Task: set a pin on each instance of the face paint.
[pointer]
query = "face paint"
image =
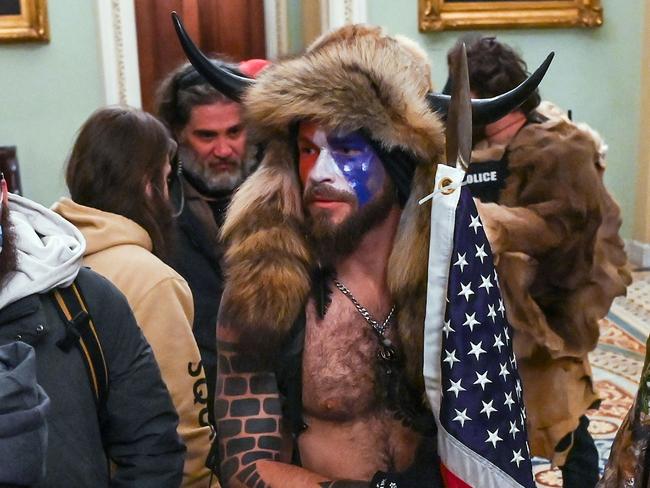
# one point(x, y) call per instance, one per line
point(346, 162)
point(358, 162)
point(316, 162)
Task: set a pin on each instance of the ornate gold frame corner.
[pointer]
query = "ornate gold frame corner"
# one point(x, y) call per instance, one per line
point(31, 25)
point(438, 15)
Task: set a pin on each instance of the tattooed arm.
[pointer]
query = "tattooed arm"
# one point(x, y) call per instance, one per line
point(248, 415)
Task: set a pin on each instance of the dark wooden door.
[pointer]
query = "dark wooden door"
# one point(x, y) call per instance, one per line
point(226, 28)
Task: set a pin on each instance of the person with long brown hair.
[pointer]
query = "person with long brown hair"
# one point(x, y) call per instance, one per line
point(117, 176)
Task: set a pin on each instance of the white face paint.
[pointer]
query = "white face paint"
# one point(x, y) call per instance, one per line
point(325, 168)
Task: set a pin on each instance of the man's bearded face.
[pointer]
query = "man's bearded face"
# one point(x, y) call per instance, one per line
point(213, 146)
point(346, 189)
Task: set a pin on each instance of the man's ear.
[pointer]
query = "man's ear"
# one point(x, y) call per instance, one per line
point(148, 189)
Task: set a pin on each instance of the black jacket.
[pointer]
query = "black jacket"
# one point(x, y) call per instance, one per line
point(197, 255)
point(136, 429)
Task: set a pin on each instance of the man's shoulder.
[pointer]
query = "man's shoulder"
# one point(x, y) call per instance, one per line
point(197, 211)
point(89, 279)
point(551, 143)
point(99, 292)
point(551, 127)
point(197, 234)
point(532, 132)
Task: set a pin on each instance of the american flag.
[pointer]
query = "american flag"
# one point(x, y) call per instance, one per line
point(470, 370)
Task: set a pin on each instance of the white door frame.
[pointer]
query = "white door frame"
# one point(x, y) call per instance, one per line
point(334, 13)
point(119, 52)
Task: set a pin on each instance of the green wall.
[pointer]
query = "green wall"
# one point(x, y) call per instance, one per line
point(46, 93)
point(294, 32)
point(48, 90)
point(596, 73)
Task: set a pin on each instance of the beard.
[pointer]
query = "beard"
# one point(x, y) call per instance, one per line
point(213, 180)
point(334, 241)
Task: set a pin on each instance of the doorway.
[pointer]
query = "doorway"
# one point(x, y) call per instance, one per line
point(221, 28)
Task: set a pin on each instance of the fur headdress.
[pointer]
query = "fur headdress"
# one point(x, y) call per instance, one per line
point(354, 78)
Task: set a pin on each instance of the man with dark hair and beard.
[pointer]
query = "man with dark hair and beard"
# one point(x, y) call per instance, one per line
point(125, 437)
point(117, 176)
point(215, 159)
point(320, 329)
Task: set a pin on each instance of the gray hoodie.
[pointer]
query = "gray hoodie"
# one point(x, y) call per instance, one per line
point(49, 249)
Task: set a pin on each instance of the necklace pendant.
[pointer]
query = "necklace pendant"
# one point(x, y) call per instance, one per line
point(387, 353)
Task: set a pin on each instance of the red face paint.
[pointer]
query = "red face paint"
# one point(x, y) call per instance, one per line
point(308, 151)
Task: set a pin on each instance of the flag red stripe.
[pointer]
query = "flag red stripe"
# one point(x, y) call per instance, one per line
point(451, 480)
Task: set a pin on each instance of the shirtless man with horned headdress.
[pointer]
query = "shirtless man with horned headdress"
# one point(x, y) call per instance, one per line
point(320, 329)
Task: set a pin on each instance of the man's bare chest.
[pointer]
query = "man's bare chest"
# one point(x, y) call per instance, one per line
point(352, 432)
point(339, 363)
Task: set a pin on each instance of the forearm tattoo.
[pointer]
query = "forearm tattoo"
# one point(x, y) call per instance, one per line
point(247, 411)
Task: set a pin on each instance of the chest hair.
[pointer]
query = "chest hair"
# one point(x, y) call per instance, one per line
point(340, 363)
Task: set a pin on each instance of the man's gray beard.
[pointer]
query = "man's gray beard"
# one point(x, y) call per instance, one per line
point(334, 241)
point(216, 181)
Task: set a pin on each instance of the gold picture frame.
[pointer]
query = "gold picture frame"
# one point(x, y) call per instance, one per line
point(438, 15)
point(24, 20)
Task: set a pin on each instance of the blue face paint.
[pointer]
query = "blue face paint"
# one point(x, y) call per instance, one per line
point(359, 164)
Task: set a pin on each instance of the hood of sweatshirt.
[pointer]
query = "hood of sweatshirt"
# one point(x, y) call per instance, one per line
point(102, 230)
point(49, 251)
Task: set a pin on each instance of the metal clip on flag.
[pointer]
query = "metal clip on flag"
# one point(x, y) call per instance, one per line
point(470, 370)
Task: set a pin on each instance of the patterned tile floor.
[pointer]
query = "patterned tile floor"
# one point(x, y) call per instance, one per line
point(617, 364)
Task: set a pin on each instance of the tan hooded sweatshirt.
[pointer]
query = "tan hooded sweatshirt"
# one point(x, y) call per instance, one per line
point(161, 301)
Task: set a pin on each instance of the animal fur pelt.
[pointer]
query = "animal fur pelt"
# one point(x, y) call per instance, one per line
point(354, 78)
point(561, 263)
point(555, 236)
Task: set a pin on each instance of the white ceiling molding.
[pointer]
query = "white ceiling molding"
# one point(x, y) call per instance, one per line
point(119, 50)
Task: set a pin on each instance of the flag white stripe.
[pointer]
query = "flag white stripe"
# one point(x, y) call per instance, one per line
point(473, 469)
point(443, 215)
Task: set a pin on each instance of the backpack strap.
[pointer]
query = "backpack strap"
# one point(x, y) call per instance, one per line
point(80, 331)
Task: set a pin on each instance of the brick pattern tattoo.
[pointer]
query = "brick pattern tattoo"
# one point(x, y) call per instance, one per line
point(247, 411)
